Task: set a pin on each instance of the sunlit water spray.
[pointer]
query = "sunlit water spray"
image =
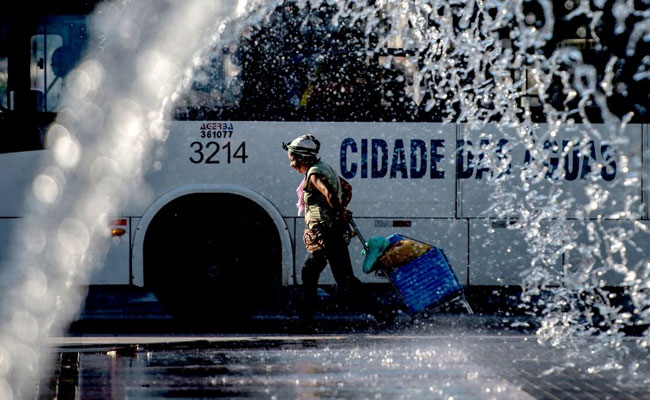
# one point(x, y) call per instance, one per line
point(114, 105)
point(487, 64)
point(139, 63)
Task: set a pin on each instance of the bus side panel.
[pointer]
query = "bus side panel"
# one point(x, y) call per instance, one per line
point(395, 169)
point(136, 275)
point(115, 269)
point(447, 234)
point(498, 255)
point(297, 242)
point(597, 159)
point(608, 267)
point(18, 172)
point(7, 228)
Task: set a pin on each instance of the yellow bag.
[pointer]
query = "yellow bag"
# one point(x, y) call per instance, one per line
point(401, 253)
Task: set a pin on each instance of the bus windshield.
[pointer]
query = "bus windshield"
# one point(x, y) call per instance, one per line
point(37, 52)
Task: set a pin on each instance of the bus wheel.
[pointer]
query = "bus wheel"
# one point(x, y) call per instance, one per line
point(213, 258)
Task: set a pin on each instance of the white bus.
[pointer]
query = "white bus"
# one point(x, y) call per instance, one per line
point(216, 226)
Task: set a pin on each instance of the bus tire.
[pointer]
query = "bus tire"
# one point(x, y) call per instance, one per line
point(213, 259)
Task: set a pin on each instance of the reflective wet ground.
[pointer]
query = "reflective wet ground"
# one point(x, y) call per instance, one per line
point(402, 365)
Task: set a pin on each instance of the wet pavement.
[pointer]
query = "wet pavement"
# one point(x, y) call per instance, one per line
point(441, 360)
point(140, 352)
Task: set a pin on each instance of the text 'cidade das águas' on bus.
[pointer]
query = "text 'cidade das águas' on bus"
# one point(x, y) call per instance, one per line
point(417, 158)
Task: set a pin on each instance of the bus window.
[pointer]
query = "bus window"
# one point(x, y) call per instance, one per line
point(45, 84)
point(217, 83)
point(33, 68)
point(293, 65)
point(400, 89)
point(55, 50)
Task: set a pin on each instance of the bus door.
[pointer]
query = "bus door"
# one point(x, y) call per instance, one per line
point(36, 54)
point(55, 48)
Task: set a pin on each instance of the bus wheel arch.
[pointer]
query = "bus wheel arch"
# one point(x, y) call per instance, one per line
point(217, 239)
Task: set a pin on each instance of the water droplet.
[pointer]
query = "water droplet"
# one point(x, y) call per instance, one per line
point(73, 236)
point(45, 189)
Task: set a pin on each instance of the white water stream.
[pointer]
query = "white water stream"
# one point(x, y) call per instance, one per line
point(141, 58)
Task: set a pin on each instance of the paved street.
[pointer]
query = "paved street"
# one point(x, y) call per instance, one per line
point(411, 364)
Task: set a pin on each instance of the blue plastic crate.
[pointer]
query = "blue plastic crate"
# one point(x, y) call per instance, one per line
point(394, 238)
point(427, 281)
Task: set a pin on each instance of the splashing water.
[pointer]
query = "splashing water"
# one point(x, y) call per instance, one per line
point(496, 67)
point(520, 92)
point(113, 112)
point(467, 56)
